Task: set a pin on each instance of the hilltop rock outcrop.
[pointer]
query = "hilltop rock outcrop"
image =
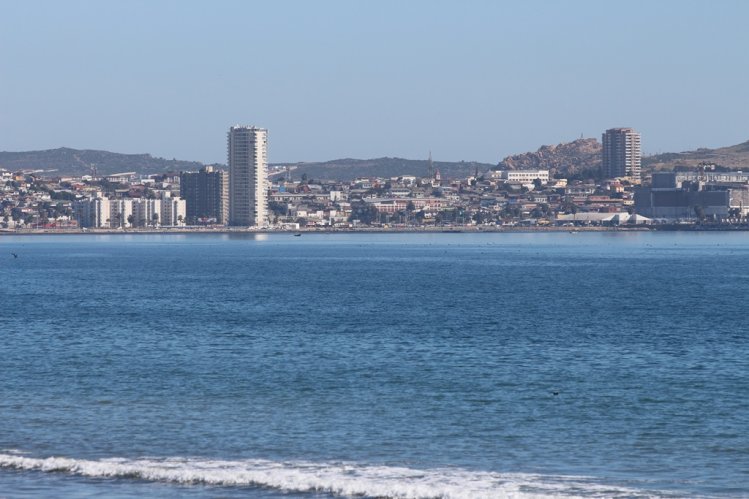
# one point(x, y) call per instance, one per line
point(569, 158)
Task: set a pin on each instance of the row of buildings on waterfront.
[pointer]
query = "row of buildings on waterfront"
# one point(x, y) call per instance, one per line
point(238, 197)
point(101, 211)
point(246, 194)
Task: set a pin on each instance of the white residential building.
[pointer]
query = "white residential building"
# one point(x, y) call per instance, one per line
point(146, 212)
point(101, 212)
point(248, 171)
point(173, 211)
point(121, 213)
point(521, 176)
point(93, 213)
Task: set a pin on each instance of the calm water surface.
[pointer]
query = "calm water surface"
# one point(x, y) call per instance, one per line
point(392, 365)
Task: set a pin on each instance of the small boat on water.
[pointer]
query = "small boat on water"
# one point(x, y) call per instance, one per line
point(297, 234)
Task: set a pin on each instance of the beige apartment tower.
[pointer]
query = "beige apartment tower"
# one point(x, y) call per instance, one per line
point(248, 173)
point(621, 153)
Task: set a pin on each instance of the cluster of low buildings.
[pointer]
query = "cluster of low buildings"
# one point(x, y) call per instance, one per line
point(201, 199)
point(30, 200)
point(246, 194)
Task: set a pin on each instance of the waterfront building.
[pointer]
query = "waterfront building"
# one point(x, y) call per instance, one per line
point(173, 211)
point(695, 194)
point(621, 153)
point(146, 212)
point(394, 205)
point(206, 194)
point(121, 212)
point(248, 166)
point(101, 212)
point(93, 213)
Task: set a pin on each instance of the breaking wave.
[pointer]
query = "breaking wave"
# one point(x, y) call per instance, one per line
point(339, 479)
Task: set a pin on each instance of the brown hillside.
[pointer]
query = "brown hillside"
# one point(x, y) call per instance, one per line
point(734, 157)
point(570, 158)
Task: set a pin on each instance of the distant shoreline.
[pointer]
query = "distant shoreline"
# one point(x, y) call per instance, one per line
point(375, 230)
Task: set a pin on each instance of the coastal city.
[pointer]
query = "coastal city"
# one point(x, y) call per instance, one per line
point(246, 194)
point(389, 249)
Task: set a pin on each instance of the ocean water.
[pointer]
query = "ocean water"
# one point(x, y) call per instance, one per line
point(375, 365)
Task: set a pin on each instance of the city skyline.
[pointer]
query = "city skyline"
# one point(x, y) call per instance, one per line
point(504, 78)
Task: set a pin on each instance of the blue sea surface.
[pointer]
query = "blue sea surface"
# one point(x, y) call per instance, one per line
point(375, 365)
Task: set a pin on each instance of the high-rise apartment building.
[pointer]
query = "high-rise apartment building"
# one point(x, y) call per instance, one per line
point(248, 171)
point(206, 193)
point(621, 153)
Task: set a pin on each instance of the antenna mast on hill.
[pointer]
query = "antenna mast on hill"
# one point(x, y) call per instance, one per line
point(431, 166)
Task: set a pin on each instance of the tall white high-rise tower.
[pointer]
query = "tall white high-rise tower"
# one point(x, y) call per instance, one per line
point(248, 173)
point(621, 153)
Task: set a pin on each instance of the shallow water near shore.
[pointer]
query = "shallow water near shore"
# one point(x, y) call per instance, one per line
point(376, 365)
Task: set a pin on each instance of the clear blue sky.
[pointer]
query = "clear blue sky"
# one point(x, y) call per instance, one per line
point(471, 80)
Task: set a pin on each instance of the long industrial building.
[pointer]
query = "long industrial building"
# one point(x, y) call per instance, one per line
point(689, 195)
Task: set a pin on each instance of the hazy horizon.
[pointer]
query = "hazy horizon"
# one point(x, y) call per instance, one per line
point(333, 79)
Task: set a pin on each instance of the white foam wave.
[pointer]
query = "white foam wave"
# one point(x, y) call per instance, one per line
point(342, 479)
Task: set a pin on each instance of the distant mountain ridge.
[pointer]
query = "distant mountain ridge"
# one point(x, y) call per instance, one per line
point(65, 161)
point(580, 157)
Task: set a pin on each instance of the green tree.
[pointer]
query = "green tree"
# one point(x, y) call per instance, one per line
point(364, 212)
point(479, 217)
point(277, 207)
point(699, 210)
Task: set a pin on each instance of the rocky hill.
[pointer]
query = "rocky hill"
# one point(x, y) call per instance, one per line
point(349, 169)
point(583, 157)
point(65, 161)
point(580, 157)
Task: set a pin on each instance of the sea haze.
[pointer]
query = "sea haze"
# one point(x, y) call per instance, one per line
point(376, 365)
